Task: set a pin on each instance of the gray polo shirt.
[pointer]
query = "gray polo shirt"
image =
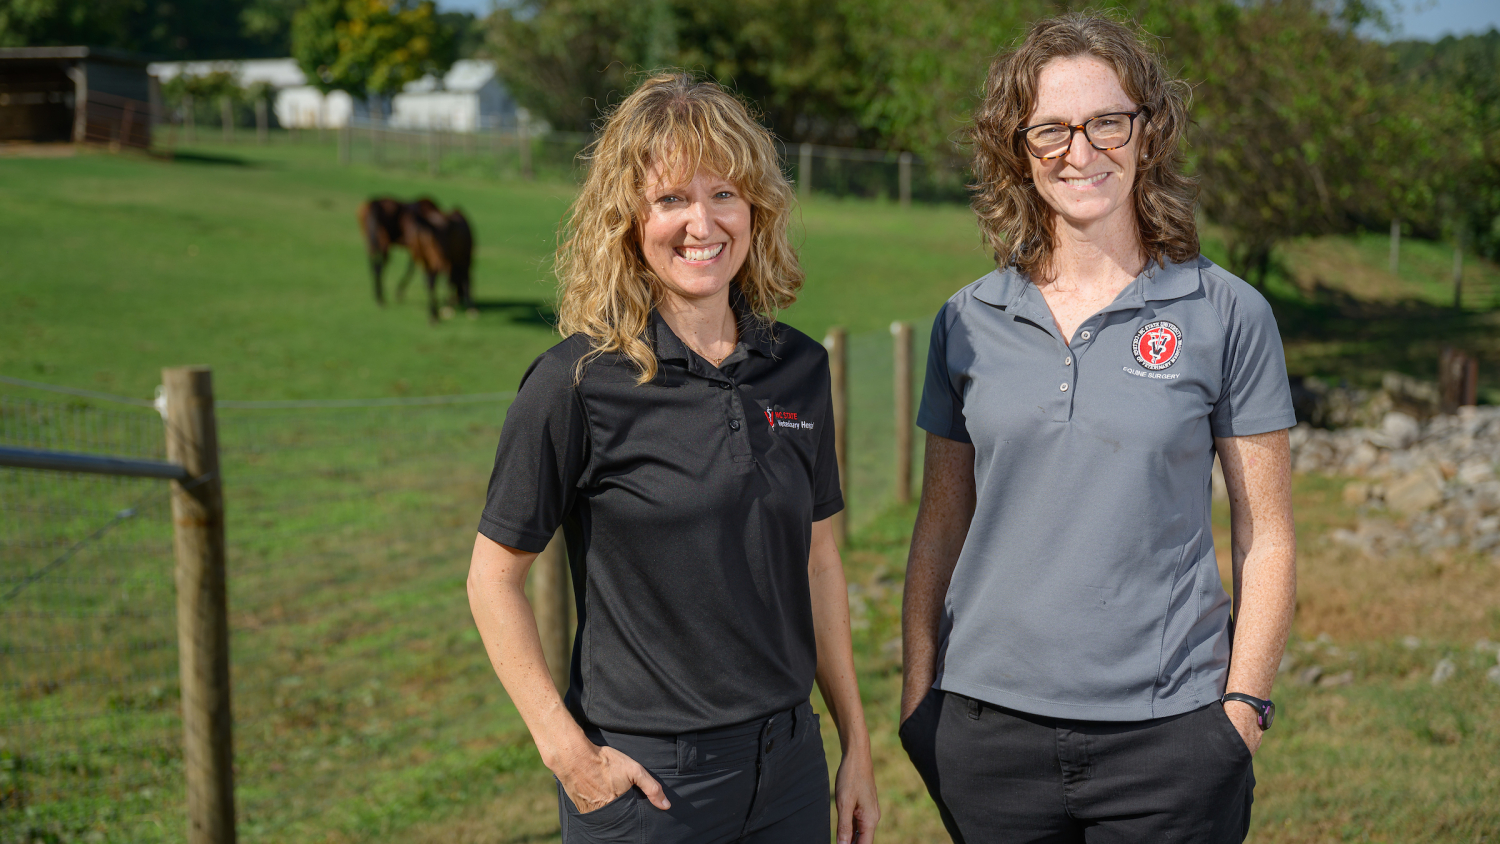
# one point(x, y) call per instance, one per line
point(1087, 586)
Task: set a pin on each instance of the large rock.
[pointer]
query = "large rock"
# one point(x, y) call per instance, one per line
point(1397, 430)
point(1416, 492)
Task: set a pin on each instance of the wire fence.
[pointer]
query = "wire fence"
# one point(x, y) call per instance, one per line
point(360, 688)
point(90, 730)
point(508, 153)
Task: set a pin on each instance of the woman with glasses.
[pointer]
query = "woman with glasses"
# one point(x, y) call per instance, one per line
point(1074, 669)
point(682, 439)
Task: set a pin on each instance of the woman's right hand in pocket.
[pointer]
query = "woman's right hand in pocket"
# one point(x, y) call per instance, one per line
point(597, 776)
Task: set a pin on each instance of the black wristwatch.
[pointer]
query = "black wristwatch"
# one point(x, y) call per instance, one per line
point(1265, 710)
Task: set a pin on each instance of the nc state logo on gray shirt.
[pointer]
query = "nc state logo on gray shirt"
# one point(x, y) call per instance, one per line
point(1157, 345)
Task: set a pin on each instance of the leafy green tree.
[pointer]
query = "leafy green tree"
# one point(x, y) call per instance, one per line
point(1462, 76)
point(177, 30)
point(369, 48)
point(1301, 126)
point(567, 60)
point(922, 65)
point(793, 59)
point(465, 30)
point(32, 23)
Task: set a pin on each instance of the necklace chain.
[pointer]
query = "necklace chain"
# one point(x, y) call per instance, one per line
point(720, 359)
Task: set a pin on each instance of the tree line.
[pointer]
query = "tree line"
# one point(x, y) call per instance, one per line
point(1306, 121)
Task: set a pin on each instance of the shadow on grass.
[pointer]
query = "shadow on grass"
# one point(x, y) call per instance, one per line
point(206, 158)
point(1328, 331)
point(520, 311)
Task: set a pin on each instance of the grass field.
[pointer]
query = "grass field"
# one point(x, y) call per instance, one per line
point(365, 708)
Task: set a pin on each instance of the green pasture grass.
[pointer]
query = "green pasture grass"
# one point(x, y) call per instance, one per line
point(249, 259)
point(365, 707)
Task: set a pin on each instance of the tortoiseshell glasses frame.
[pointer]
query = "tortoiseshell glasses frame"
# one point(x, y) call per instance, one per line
point(1054, 146)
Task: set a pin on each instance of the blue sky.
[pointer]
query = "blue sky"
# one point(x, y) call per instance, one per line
point(1431, 19)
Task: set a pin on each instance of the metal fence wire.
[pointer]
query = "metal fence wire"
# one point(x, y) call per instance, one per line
point(494, 152)
point(90, 729)
point(870, 488)
point(360, 688)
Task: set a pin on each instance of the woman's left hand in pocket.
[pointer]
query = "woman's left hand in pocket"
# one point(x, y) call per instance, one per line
point(1245, 720)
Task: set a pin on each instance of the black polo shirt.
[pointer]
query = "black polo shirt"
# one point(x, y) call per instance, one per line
point(687, 504)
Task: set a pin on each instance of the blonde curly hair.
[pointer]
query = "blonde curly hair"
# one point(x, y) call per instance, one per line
point(677, 124)
point(1013, 218)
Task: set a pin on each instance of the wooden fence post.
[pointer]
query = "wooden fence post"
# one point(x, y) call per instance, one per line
point(226, 116)
point(262, 121)
point(904, 177)
point(1458, 271)
point(838, 357)
point(189, 119)
point(523, 138)
point(804, 170)
point(902, 334)
point(1458, 380)
point(346, 140)
point(1395, 246)
point(434, 151)
point(202, 605)
point(549, 600)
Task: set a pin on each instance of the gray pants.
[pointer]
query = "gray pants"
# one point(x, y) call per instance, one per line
point(759, 783)
point(1003, 776)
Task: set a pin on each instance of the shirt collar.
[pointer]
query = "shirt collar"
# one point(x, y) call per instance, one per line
point(755, 335)
point(1006, 288)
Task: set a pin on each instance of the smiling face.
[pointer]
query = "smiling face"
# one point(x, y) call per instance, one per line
point(695, 234)
point(1084, 186)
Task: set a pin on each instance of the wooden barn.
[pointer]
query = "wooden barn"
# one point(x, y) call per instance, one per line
point(75, 94)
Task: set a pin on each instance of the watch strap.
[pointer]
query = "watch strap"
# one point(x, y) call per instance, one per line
point(1265, 710)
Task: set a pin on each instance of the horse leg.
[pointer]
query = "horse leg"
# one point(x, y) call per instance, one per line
point(377, 268)
point(432, 305)
point(411, 266)
point(447, 311)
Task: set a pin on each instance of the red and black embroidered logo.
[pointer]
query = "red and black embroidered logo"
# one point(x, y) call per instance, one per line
point(1157, 345)
point(786, 419)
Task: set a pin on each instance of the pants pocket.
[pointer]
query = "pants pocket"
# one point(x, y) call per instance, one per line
point(1231, 734)
point(918, 734)
point(616, 822)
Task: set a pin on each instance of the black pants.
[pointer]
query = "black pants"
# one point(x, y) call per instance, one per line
point(759, 783)
point(1003, 776)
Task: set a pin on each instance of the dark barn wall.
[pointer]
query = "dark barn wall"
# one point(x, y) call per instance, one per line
point(128, 81)
point(36, 102)
point(40, 89)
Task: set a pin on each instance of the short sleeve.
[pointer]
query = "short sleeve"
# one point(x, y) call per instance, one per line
point(1255, 396)
point(942, 408)
point(543, 450)
point(828, 496)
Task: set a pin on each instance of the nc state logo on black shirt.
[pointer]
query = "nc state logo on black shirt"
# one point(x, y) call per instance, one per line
point(786, 419)
point(1157, 345)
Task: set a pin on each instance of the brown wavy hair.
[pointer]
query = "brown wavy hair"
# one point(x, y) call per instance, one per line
point(681, 124)
point(1013, 218)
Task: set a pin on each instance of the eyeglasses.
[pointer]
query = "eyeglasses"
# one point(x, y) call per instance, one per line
point(1104, 133)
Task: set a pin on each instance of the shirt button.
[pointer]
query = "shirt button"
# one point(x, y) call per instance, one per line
point(1064, 387)
point(1085, 335)
point(734, 424)
point(1068, 361)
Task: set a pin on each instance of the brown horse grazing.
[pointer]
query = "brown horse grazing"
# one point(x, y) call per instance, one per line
point(441, 243)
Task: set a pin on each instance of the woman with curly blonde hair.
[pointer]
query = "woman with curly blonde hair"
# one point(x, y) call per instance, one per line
point(1074, 669)
point(682, 439)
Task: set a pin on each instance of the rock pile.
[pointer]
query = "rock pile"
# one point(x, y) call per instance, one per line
point(1439, 475)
